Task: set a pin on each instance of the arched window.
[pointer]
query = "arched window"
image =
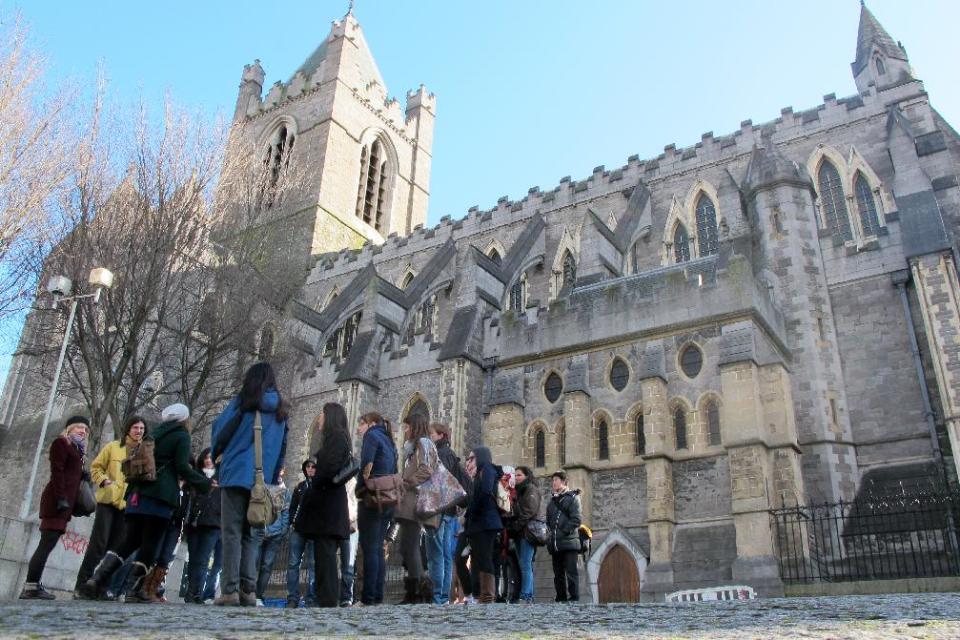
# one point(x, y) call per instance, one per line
point(494, 255)
point(539, 449)
point(518, 295)
point(561, 444)
point(349, 334)
point(333, 342)
point(427, 312)
point(619, 374)
point(603, 440)
point(706, 225)
point(635, 257)
point(832, 201)
point(569, 271)
point(881, 68)
point(278, 159)
point(680, 427)
point(681, 244)
point(267, 337)
point(373, 190)
point(640, 437)
point(713, 423)
point(867, 206)
point(419, 407)
point(407, 279)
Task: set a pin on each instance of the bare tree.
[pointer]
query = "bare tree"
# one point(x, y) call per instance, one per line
point(36, 146)
point(188, 235)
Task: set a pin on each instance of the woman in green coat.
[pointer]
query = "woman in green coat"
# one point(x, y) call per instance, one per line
point(150, 505)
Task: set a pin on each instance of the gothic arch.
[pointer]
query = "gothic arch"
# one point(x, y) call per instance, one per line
point(530, 443)
point(383, 182)
point(599, 437)
point(882, 200)
point(560, 441)
point(495, 245)
point(678, 215)
point(330, 297)
point(569, 242)
point(701, 188)
point(639, 437)
point(820, 153)
point(412, 403)
point(616, 536)
point(679, 403)
point(703, 404)
point(406, 277)
point(269, 132)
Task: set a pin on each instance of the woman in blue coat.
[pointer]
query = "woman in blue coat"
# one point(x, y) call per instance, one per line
point(233, 448)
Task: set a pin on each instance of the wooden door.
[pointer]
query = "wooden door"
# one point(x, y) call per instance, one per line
point(619, 579)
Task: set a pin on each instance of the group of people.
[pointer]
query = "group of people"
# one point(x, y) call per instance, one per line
point(342, 502)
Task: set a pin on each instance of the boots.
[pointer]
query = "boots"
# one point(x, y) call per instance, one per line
point(134, 589)
point(152, 583)
point(488, 588)
point(93, 588)
point(411, 591)
point(426, 589)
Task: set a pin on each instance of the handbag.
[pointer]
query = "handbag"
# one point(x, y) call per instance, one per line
point(349, 470)
point(536, 533)
point(140, 465)
point(381, 492)
point(266, 501)
point(440, 491)
point(86, 500)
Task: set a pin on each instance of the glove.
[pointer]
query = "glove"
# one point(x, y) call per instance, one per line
point(62, 504)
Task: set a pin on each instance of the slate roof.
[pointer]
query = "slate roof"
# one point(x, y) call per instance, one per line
point(872, 33)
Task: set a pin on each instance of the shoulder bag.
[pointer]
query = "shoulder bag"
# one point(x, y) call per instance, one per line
point(349, 470)
point(266, 501)
point(86, 500)
point(440, 491)
point(536, 533)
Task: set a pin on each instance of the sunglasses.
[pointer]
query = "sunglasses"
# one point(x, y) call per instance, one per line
point(469, 458)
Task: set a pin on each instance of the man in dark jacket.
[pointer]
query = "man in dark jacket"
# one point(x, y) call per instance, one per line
point(563, 520)
point(298, 542)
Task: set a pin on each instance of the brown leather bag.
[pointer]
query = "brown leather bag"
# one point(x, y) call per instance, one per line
point(382, 492)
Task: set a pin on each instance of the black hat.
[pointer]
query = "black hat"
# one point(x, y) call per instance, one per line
point(77, 420)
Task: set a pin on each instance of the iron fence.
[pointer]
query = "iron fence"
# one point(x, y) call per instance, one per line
point(875, 538)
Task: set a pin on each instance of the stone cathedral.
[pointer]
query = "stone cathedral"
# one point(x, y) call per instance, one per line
point(768, 317)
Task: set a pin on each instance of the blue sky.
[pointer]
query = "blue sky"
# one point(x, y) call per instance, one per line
point(528, 91)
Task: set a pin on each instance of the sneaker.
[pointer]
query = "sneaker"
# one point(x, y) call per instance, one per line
point(469, 600)
point(35, 592)
point(248, 599)
point(227, 600)
point(259, 602)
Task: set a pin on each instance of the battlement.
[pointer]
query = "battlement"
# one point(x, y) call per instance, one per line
point(421, 98)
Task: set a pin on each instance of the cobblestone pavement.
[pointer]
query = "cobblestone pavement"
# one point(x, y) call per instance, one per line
point(853, 617)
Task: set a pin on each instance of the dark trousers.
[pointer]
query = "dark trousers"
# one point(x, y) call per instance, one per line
point(463, 571)
point(240, 547)
point(566, 578)
point(201, 542)
point(481, 555)
point(373, 524)
point(48, 540)
point(410, 548)
point(106, 535)
point(325, 567)
point(144, 534)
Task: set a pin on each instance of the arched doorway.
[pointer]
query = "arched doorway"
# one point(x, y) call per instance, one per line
point(619, 579)
point(417, 405)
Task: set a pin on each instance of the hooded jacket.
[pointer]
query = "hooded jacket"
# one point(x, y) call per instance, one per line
point(172, 455)
point(482, 513)
point(563, 520)
point(236, 466)
point(106, 466)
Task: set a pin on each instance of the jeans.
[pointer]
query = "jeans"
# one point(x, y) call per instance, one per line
point(268, 555)
point(106, 536)
point(239, 545)
point(213, 576)
point(566, 578)
point(348, 555)
point(298, 547)
point(373, 525)
point(168, 547)
point(119, 576)
point(48, 542)
point(440, 547)
point(525, 555)
point(201, 542)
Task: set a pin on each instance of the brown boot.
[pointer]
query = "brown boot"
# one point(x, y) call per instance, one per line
point(152, 582)
point(411, 591)
point(488, 588)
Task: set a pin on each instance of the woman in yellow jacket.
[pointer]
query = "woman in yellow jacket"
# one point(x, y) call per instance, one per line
point(108, 479)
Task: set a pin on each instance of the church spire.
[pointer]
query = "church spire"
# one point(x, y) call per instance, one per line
point(880, 61)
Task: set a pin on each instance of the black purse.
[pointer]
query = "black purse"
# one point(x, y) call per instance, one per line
point(349, 470)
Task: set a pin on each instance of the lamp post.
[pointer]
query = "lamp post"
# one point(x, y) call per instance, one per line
point(59, 287)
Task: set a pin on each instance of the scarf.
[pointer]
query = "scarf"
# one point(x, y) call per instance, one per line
point(78, 442)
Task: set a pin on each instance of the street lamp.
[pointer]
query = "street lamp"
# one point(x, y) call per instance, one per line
point(60, 288)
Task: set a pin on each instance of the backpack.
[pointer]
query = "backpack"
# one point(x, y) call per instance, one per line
point(140, 464)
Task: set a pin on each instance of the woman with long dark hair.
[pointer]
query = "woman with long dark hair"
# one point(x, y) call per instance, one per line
point(203, 530)
point(111, 487)
point(378, 458)
point(57, 500)
point(232, 438)
point(420, 462)
point(324, 516)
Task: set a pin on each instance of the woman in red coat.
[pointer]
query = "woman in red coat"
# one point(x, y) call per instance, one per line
point(56, 503)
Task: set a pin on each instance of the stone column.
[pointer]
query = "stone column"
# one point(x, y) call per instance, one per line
point(579, 431)
point(658, 465)
point(750, 473)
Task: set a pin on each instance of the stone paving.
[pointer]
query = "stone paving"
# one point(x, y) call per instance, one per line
point(853, 617)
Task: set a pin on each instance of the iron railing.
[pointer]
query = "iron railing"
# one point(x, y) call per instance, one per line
point(874, 538)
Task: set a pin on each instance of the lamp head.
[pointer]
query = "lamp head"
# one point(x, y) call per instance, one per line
point(59, 286)
point(101, 277)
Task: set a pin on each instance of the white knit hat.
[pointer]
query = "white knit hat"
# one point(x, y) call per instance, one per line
point(175, 413)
